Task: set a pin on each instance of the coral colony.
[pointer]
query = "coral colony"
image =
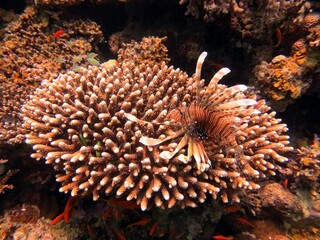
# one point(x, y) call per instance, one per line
point(147, 132)
point(132, 147)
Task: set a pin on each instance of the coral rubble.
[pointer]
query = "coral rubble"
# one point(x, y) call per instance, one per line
point(109, 131)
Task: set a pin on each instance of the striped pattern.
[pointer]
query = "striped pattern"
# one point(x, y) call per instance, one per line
point(213, 84)
point(217, 77)
point(216, 127)
point(197, 75)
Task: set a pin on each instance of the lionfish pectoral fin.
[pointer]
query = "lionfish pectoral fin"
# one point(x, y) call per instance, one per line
point(217, 77)
point(200, 156)
point(236, 104)
point(156, 141)
point(238, 88)
point(168, 155)
point(134, 119)
point(151, 141)
point(183, 158)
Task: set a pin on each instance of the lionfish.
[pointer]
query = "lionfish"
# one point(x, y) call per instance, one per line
point(209, 122)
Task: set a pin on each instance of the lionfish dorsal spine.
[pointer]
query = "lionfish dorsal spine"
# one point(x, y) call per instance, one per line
point(217, 77)
point(197, 75)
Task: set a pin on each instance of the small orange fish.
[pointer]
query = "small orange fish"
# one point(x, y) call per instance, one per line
point(69, 207)
point(124, 204)
point(245, 222)
point(279, 37)
point(221, 237)
point(232, 209)
point(108, 213)
point(67, 210)
point(285, 183)
point(58, 33)
point(57, 219)
point(142, 222)
point(90, 230)
point(119, 235)
point(116, 213)
point(154, 228)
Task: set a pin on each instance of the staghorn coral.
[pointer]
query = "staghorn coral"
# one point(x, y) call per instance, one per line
point(31, 53)
point(118, 132)
point(13, 95)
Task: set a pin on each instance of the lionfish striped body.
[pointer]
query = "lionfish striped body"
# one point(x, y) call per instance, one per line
point(210, 121)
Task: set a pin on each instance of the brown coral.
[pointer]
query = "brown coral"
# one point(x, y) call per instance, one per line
point(308, 170)
point(110, 132)
point(282, 201)
point(5, 176)
point(251, 18)
point(311, 20)
point(150, 50)
point(13, 95)
point(66, 3)
point(31, 53)
point(299, 52)
point(280, 79)
point(56, 3)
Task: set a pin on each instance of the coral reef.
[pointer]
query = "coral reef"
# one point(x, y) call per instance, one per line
point(147, 141)
point(118, 131)
point(250, 18)
point(66, 3)
point(31, 51)
point(282, 202)
point(308, 23)
point(24, 222)
point(285, 79)
point(308, 168)
point(13, 95)
point(5, 18)
point(281, 79)
point(5, 176)
point(56, 3)
point(150, 50)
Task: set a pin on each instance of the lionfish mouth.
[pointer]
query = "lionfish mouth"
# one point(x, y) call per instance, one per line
point(207, 123)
